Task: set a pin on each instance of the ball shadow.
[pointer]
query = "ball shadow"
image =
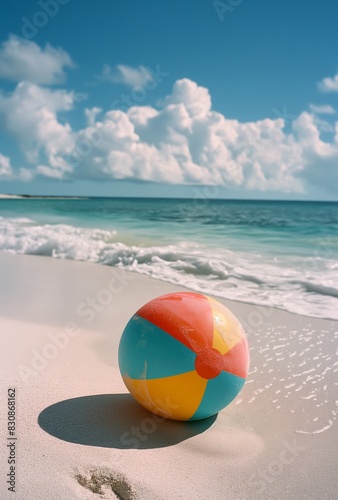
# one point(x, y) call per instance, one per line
point(115, 421)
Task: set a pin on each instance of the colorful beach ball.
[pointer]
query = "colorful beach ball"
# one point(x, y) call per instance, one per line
point(184, 356)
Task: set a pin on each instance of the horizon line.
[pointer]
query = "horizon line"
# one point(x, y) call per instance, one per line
point(82, 197)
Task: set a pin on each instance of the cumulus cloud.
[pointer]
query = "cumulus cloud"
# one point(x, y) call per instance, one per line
point(7, 172)
point(5, 165)
point(186, 142)
point(24, 60)
point(324, 109)
point(194, 98)
point(30, 114)
point(132, 77)
point(183, 141)
point(329, 84)
point(320, 158)
point(24, 174)
point(91, 114)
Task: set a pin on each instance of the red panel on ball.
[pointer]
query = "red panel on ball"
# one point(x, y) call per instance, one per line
point(236, 361)
point(187, 316)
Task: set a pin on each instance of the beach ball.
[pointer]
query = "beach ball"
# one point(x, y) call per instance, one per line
point(184, 356)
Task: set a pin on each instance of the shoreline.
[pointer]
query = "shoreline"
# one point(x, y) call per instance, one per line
point(75, 418)
point(226, 301)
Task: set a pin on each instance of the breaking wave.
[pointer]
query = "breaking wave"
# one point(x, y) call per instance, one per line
point(300, 285)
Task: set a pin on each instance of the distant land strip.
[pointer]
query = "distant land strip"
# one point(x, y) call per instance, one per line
point(47, 197)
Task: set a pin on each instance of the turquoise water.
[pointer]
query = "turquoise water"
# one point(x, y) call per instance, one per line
point(276, 253)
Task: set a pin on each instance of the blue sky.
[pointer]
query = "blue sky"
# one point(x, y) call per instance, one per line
point(152, 99)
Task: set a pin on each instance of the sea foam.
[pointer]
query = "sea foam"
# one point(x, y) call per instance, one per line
point(299, 285)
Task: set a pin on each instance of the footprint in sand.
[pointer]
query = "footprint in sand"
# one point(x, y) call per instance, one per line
point(106, 483)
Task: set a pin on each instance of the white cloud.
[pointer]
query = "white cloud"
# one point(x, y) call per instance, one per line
point(24, 60)
point(182, 142)
point(320, 158)
point(25, 175)
point(323, 125)
point(91, 115)
point(30, 115)
point(132, 77)
point(186, 142)
point(329, 84)
point(6, 170)
point(51, 172)
point(322, 109)
point(196, 99)
point(5, 165)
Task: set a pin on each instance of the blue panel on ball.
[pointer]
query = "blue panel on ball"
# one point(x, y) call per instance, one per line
point(219, 392)
point(147, 352)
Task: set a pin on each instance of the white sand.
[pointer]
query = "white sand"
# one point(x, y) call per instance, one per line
point(277, 440)
point(10, 196)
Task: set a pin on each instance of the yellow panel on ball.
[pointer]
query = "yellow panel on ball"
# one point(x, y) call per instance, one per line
point(176, 397)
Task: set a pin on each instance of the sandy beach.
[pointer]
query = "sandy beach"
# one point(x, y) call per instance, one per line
point(81, 435)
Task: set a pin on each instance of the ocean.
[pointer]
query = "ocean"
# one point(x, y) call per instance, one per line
point(269, 253)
